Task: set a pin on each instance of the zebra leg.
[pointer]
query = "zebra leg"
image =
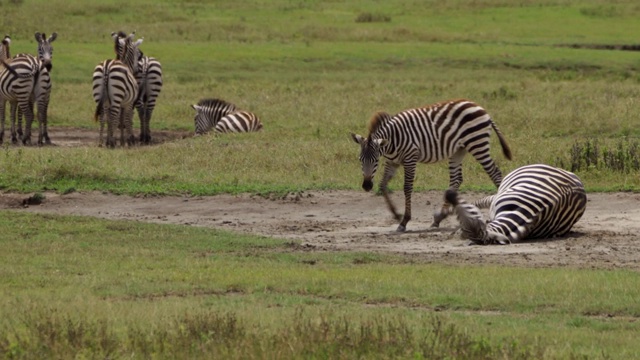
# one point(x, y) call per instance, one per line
point(13, 107)
point(455, 180)
point(483, 156)
point(409, 176)
point(3, 103)
point(28, 114)
point(389, 170)
point(114, 115)
point(127, 123)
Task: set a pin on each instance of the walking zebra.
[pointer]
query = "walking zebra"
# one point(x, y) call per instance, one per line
point(25, 76)
point(209, 112)
point(115, 90)
point(533, 202)
point(429, 134)
point(237, 122)
point(45, 55)
point(149, 79)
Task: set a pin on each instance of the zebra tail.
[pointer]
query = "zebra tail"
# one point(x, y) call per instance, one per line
point(15, 73)
point(100, 106)
point(505, 147)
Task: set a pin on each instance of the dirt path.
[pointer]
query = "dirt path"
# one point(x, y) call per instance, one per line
point(608, 236)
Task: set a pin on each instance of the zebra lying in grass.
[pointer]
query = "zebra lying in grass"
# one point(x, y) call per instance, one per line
point(223, 117)
point(533, 202)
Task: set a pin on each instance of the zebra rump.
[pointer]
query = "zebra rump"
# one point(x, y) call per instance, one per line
point(237, 122)
point(533, 202)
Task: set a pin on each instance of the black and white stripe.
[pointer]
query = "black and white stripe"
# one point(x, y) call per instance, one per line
point(238, 122)
point(209, 112)
point(22, 77)
point(429, 134)
point(115, 90)
point(42, 91)
point(533, 202)
point(149, 78)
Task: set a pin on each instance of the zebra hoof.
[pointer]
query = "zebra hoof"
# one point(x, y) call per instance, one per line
point(435, 224)
point(401, 228)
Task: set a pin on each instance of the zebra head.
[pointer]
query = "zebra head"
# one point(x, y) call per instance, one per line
point(126, 49)
point(472, 223)
point(45, 50)
point(4, 48)
point(370, 152)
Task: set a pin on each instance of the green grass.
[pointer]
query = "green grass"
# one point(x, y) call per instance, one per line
point(313, 71)
point(73, 285)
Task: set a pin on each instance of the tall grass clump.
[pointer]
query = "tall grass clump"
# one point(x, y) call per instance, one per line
point(592, 154)
point(48, 333)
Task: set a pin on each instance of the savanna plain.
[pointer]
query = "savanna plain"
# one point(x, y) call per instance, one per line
point(263, 245)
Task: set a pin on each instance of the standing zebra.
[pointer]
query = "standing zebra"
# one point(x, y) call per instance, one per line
point(149, 79)
point(45, 55)
point(25, 76)
point(5, 55)
point(115, 90)
point(430, 134)
point(209, 112)
point(237, 122)
point(533, 202)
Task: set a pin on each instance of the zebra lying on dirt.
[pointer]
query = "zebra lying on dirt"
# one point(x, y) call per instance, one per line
point(426, 135)
point(533, 202)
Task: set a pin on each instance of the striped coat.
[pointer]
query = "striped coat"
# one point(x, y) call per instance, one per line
point(444, 131)
point(533, 202)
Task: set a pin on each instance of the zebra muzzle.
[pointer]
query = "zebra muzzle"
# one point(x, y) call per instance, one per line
point(367, 185)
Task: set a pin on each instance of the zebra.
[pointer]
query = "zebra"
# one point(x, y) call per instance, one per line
point(533, 202)
point(209, 112)
point(115, 90)
point(25, 76)
point(5, 54)
point(45, 55)
point(237, 122)
point(149, 79)
point(446, 130)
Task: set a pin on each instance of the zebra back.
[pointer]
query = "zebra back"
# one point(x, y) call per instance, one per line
point(533, 202)
point(209, 112)
point(239, 121)
point(550, 201)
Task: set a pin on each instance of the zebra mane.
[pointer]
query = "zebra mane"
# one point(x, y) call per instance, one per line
point(212, 103)
point(377, 121)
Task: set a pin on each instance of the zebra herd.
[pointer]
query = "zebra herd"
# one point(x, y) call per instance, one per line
point(131, 80)
point(534, 201)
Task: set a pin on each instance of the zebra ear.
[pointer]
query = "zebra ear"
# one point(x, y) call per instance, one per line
point(53, 37)
point(137, 43)
point(38, 36)
point(196, 107)
point(357, 138)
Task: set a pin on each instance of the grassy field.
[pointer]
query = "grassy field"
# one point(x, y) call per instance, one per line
point(315, 71)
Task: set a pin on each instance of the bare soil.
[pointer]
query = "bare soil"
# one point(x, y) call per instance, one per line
point(607, 237)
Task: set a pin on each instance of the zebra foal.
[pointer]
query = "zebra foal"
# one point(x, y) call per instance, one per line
point(533, 202)
point(223, 117)
point(429, 134)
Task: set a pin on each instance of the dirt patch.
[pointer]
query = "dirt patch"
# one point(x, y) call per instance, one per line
point(79, 137)
point(608, 235)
